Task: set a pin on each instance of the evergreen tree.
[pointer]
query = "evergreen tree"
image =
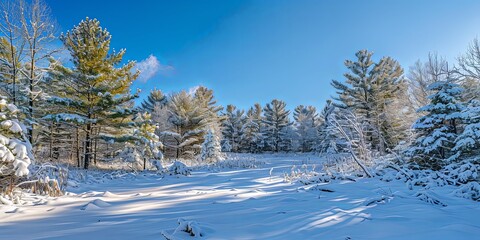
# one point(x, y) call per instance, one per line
point(146, 141)
point(467, 143)
point(96, 91)
point(437, 130)
point(276, 120)
point(15, 150)
point(189, 121)
point(211, 150)
point(226, 146)
point(155, 98)
point(205, 99)
point(323, 141)
point(251, 130)
point(232, 127)
point(369, 89)
point(331, 141)
point(306, 123)
point(9, 69)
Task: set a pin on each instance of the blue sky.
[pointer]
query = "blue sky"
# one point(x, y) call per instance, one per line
point(254, 51)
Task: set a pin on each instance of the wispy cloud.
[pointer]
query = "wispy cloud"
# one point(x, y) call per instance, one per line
point(150, 67)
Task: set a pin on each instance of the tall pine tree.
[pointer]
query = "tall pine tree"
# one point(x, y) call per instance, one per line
point(368, 91)
point(96, 92)
point(276, 120)
point(232, 127)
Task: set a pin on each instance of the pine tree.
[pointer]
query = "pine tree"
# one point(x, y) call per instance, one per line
point(96, 92)
point(189, 121)
point(232, 127)
point(331, 140)
point(368, 91)
point(15, 150)
point(211, 149)
point(146, 141)
point(437, 130)
point(9, 69)
point(205, 99)
point(251, 130)
point(276, 120)
point(323, 141)
point(306, 123)
point(467, 143)
point(56, 133)
point(155, 98)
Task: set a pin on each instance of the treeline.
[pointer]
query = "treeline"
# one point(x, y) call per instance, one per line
point(429, 116)
point(82, 112)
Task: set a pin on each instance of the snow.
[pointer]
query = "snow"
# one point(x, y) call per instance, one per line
point(243, 203)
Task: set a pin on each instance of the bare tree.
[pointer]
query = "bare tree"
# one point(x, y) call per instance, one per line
point(38, 31)
point(421, 75)
point(469, 70)
point(12, 45)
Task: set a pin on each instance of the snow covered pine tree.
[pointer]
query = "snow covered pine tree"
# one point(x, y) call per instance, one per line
point(437, 130)
point(15, 150)
point(276, 123)
point(211, 149)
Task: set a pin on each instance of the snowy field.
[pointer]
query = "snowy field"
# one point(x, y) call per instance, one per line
point(252, 203)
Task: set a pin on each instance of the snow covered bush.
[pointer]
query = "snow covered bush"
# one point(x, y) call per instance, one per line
point(47, 179)
point(429, 197)
point(463, 176)
point(130, 154)
point(190, 227)
point(241, 163)
point(179, 168)
point(470, 190)
point(157, 164)
point(185, 230)
point(211, 150)
point(15, 150)
point(302, 174)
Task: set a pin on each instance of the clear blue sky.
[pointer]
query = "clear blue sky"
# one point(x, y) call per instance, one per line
point(254, 51)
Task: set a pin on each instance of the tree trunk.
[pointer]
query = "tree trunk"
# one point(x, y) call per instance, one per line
point(30, 94)
point(78, 147)
point(14, 69)
point(50, 150)
point(95, 148)
point(88, 146)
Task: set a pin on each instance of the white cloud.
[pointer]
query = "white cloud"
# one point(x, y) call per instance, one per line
point(150, 67)
point(193, 90)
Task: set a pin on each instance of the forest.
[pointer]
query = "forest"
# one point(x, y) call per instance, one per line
point(61, 118)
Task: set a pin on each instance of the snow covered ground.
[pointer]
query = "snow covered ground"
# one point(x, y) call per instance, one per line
point(242, 204)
